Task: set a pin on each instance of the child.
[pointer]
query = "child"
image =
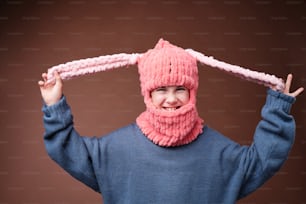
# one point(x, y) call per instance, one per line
point(169, 155)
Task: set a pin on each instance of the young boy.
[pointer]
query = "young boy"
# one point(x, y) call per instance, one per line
point(169, 155)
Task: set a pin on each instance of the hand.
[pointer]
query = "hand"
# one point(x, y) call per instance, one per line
point(51, 92)
point(288, 85)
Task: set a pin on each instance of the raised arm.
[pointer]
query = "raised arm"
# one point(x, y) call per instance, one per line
point(63, 144)
point(273, 139)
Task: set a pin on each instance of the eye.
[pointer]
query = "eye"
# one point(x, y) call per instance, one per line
point(160, 89)
point(181, 88)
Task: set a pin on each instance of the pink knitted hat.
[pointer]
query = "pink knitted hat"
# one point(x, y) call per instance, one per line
point(167, 65)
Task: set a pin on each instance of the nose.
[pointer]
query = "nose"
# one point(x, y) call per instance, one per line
point(171, 99)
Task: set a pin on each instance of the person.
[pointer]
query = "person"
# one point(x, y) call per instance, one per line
point(169, 155)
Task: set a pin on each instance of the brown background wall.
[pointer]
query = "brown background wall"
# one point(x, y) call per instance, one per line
point(264, 35)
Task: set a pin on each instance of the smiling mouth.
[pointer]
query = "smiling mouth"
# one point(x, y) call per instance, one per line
point(171, 108)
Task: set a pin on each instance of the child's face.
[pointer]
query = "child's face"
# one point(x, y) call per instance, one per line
point(170, 98)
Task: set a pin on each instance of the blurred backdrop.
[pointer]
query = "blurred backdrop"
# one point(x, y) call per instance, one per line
point(263, 35)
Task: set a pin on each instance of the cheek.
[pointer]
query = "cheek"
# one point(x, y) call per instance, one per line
point(157, 99)
point(184, 98)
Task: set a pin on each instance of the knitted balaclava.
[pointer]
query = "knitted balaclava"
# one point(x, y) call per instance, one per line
point(169, 65)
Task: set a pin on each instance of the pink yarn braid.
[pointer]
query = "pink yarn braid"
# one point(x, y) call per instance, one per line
point(92, 65)
point(258, 77)
point(102, 63)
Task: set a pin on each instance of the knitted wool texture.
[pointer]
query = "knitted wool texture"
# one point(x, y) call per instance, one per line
point(169, 65)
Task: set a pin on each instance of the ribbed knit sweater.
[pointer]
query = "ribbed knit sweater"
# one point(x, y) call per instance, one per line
point(126, 167)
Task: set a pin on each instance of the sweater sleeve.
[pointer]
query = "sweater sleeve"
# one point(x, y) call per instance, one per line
point(65, 146)
point(273, 139)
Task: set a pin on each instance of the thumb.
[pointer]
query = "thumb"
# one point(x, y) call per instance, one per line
point(58, 78)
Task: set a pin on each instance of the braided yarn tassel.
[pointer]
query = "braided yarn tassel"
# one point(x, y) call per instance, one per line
point(247, 74)
point(102, 63)
point(92, 65)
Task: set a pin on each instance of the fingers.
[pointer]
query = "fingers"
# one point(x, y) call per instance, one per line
point(42, 82)
point(288, 85)
point(58, 79)
point(47, 81)
point(44, 76)
point(57, 76)
point(297, 92)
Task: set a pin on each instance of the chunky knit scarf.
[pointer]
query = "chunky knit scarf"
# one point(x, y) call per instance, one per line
point(171, 128)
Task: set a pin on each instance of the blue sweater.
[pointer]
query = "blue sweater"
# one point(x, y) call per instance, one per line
point(126, 167)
